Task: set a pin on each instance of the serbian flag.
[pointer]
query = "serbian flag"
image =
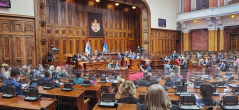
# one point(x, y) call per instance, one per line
point(87, 46)
point(105, 47)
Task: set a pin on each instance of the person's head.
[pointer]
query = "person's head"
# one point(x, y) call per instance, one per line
point(75, 56)
point(138, 46)
point(174, 51)
point(111, 61)
point(168, 61)
point(157, 99)
point(133, 53)
point(206, 90)
point(198, 53)
point(15, 73)
point(51, 67)
point(118, 52)
point(58, 69)
point(2, 69)
point(78, 74)
point(147, 63)
point(127, 88)
point(172, 75)
point(147, 77)
point(48, 74)
point(167, 78)
point(8, 68)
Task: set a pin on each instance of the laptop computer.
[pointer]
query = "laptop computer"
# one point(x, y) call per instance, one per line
point(86, 83)
point(10, 92)
point(230, 103)
point(188, 103)
point(181, 90)
point(48, 85)
point(231, 79)
point(236, 90)
point(102, 80)
point(33, 94)
point(67, 87)
point(197, 84)
point(175, 84)
point(107, 100)
point(221, 84)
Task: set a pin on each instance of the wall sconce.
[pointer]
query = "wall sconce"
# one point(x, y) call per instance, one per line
point(195, 21)
point(97, 0)
point(133, 7)
point(116, 4)
point(233, 16)
point(43, 23)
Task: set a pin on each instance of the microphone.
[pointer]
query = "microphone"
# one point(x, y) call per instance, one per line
point(116, 105)
point(209, 108)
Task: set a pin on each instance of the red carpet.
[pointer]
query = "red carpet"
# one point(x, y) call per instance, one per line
point(136, 76)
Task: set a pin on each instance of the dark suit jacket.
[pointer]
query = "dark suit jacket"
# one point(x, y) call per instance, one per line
point(206, 102)
point(143, 82)
point(128, 100)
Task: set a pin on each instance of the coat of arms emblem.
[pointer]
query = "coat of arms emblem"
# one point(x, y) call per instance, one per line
point(95, 26)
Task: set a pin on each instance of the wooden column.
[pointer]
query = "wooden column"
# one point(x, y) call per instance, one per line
point(212, 40)
point(221, 45)
point(186, 41)
point(187, 5)
point(213, 3)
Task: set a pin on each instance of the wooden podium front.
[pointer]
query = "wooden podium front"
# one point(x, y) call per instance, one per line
point(134, 64)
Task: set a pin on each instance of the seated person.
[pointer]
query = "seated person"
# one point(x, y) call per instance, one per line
point(119, 57)
point(145, 81)
point(148, 68)
point(157, 99)
point(206, 90)
point(2, 70)
point(132, 56)
point(12, 81)
point(117, 76)
point(201, 62)
point(48, 78)
point(110, 65)
point(63, 73)
point(198, 55)
point(127, 92)
point(168, 81)
point(117, 65)
point(78, 79)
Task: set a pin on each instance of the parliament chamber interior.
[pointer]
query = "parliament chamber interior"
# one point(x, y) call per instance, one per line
point(119, 54)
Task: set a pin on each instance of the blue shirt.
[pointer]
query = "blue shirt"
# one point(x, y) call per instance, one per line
point(11, 82)
point(149, 69)
point(132, 56)
point(45, 79)
point(119, 57)
point(37, 75)
point(170, 83)
point(78, 81)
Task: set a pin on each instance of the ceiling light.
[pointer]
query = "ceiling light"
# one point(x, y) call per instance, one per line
point(232, 15)
point(97, 0)
point(195, 21)
point(133, 7)
point(116, 4)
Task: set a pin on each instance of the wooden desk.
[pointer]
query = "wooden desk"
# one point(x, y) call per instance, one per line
point(121, 106)
point(92, 91)
point(105, 87)
point(75, 97)
point(134, 64)
point(19, 103)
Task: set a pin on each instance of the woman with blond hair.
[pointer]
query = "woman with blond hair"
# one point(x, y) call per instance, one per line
point(157, 99)
point(127, 92)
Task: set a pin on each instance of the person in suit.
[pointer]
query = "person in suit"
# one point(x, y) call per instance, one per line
point(220, 55)
point(167, 68)
point(174, 56)
point(78, 79)
point(48, 78)
point(119, 57)
point(145, 81)
point(201, 62)
point(110, 65)
point(157, 99)
point(117, 66)
point(126, 54)
point(198, 55)
point(166, 58)
point(206, 90)
point(224, 66)
point(127, 92)
point(207, 63)
point(74, 59)
point(63, 73)
point(12, 81)
point(168, 81)
point(138, 50)
point(184, 68)
point(132, 56)
point(37, 74)
point(2, 70)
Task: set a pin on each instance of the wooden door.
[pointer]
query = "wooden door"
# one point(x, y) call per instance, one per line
point(234, 42)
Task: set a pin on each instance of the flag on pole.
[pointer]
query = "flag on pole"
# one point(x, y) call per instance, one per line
point(87, 46)
point(105, 47)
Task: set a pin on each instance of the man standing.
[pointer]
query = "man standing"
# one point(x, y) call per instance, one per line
point(148, 68)
point(167, 68)
point(138, 49)
point(119, 57)
point(184, 68)
point(174, 56)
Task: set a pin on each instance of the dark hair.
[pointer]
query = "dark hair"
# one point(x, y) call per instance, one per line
point(206, 90)
point(78, 74)
point(146, 76)
point(15, 72)
point(47, 74)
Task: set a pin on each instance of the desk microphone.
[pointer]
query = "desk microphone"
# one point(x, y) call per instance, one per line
point(209, 108)
point(116, 105)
